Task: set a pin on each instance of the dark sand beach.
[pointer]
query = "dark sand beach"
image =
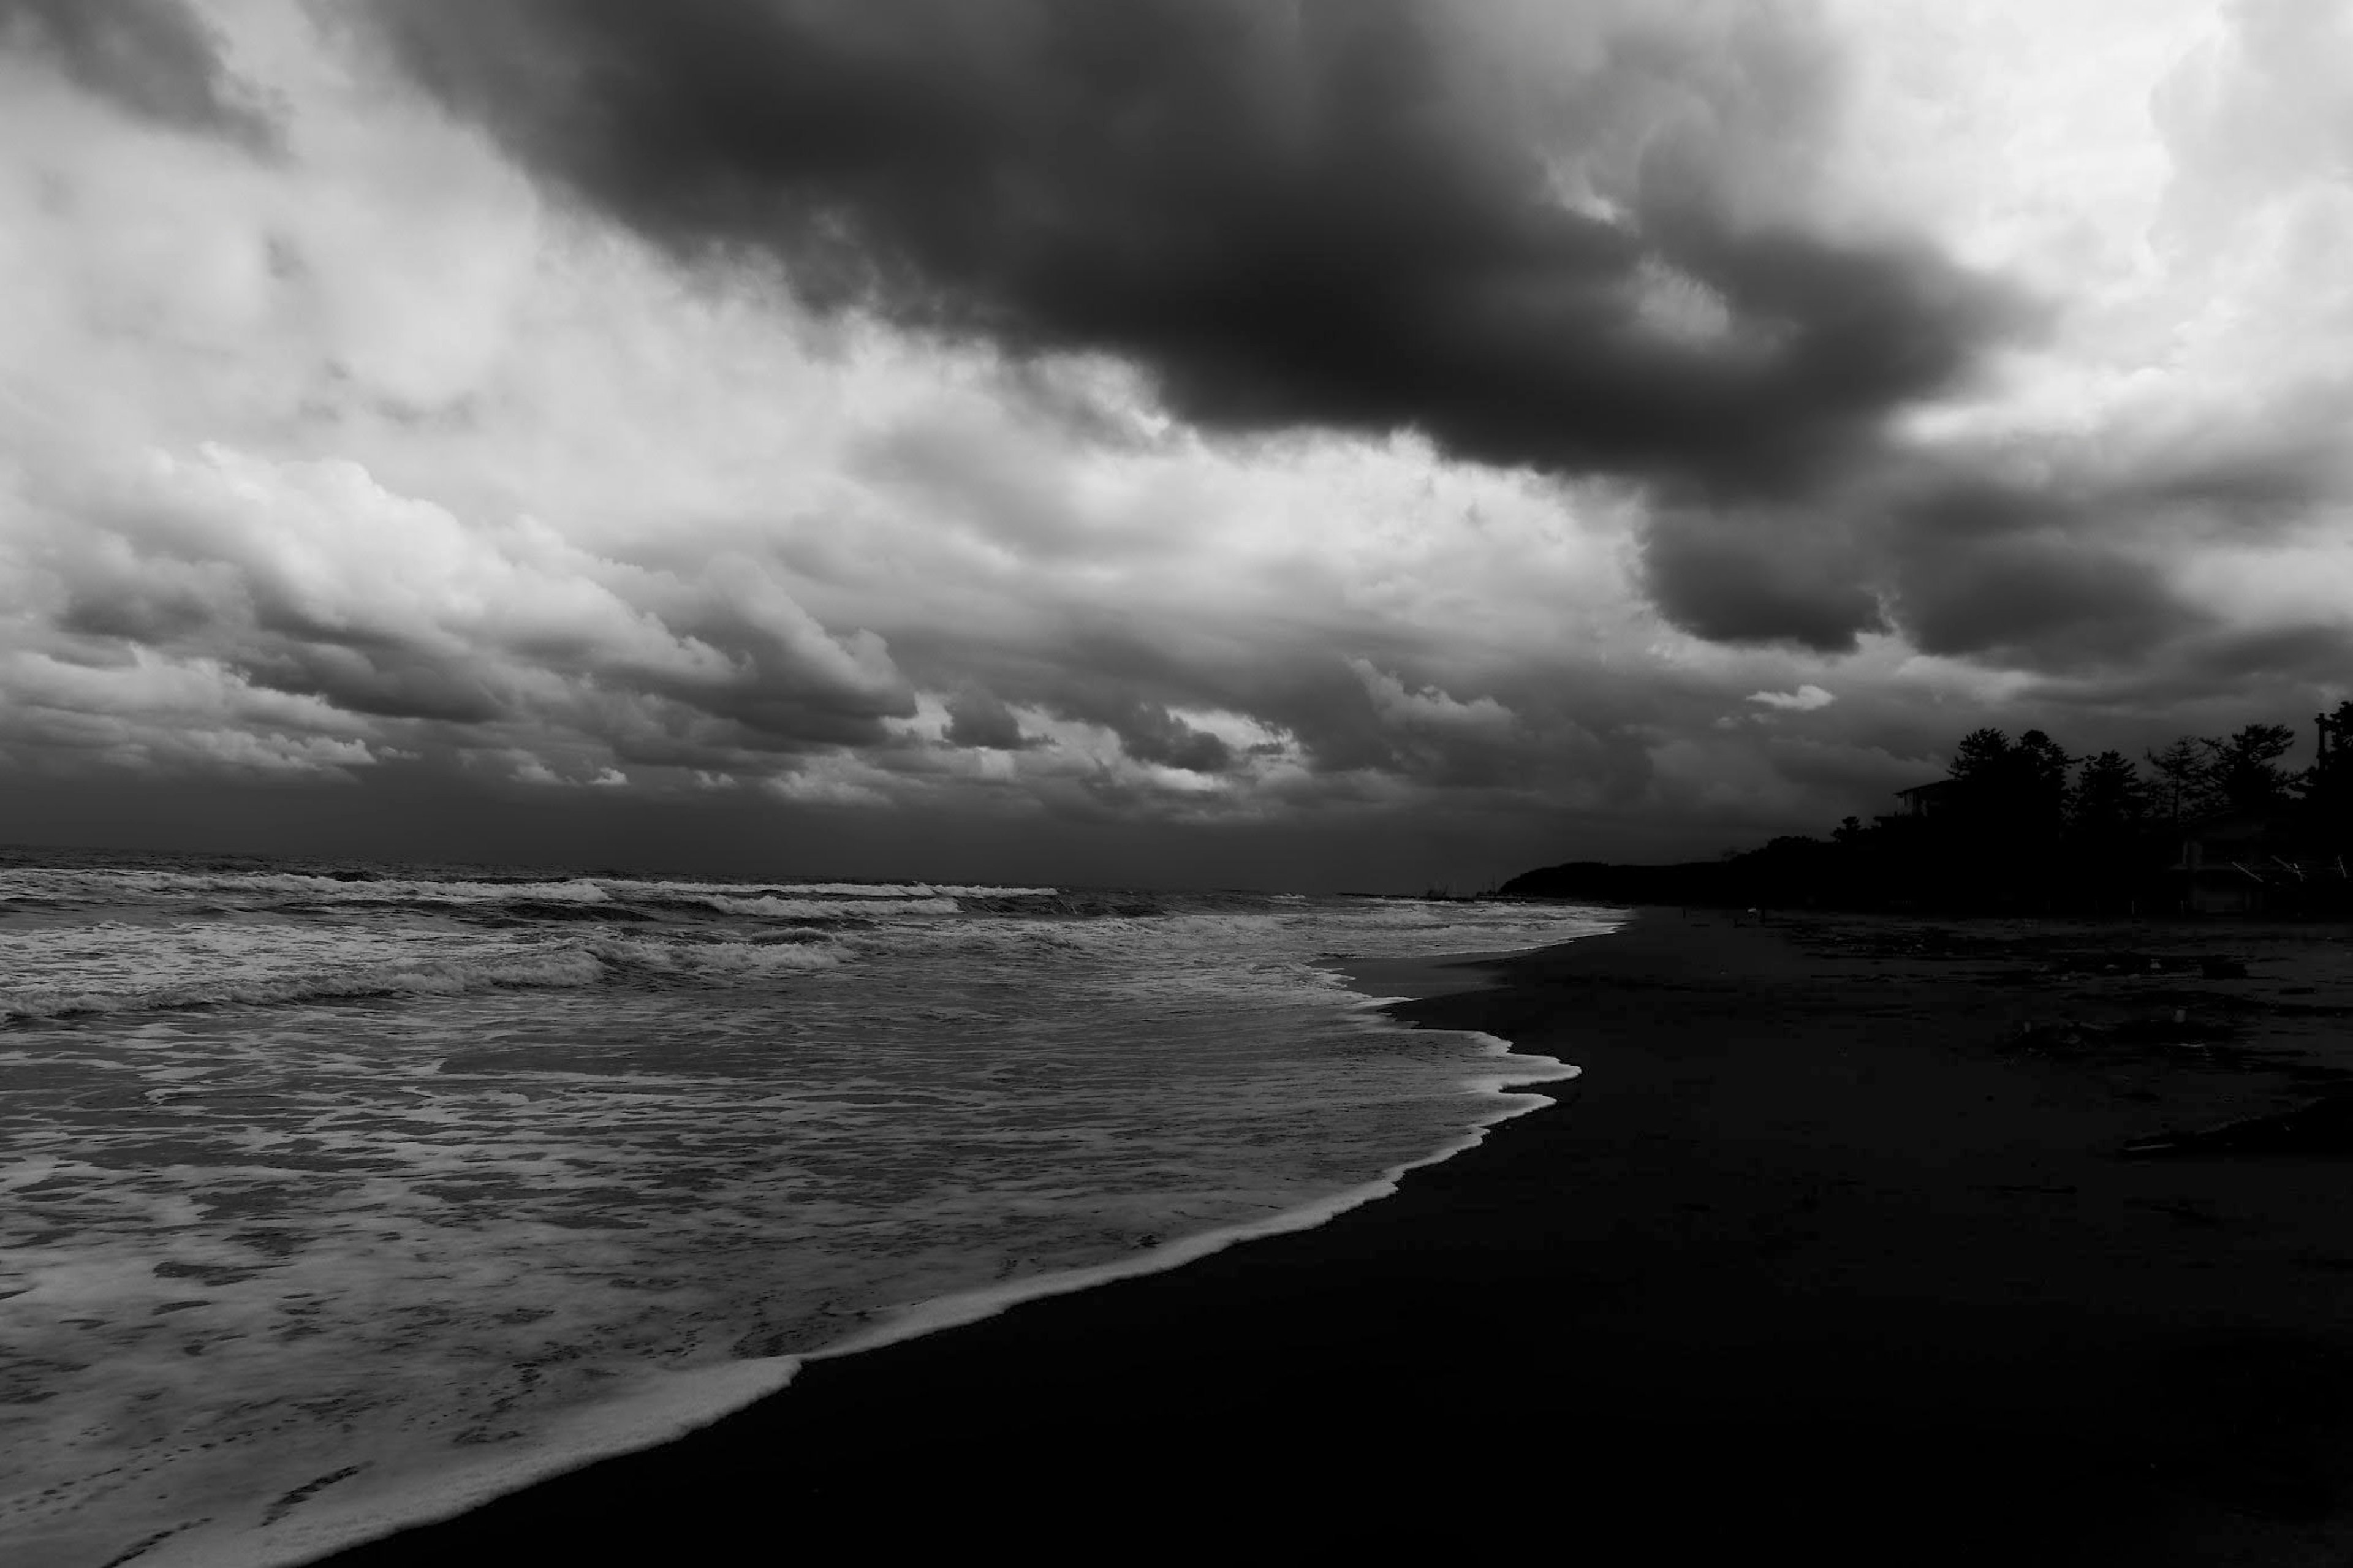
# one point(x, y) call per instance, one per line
point(1836, 1251)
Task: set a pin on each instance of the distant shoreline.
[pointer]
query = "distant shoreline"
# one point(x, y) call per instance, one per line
point(1823, 1252)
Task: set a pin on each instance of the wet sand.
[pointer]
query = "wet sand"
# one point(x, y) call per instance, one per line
point(1834, 1248)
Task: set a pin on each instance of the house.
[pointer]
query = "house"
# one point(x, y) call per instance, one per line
point(1929, 799)
point(2245, 861)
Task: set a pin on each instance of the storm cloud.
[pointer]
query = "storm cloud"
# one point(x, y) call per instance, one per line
point(355, 622)
point(1537, 238)
point(155, 58)
point(1761, 575)
point(977, 720)
point(1398, 427)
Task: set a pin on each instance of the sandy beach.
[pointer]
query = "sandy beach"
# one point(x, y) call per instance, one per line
point(1839, 1246)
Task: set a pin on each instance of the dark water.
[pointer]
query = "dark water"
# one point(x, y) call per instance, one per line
point(337, 1195)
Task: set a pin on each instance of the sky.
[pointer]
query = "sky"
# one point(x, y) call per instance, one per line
point(1366, 443)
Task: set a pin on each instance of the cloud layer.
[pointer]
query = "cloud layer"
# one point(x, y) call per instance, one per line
point(1409, 433)
point(310, 594)
point(153, 57)
point(1535, 236)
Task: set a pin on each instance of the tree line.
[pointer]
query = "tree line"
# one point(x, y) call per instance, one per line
point(2022, 825)
point(2034, 780)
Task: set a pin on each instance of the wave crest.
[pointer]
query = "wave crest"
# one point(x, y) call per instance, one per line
point(718, 960)
point(771, 907)
point(447, 977)
point(553, 967)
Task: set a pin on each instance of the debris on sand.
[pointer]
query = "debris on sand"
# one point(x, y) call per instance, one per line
point(2323, 1127)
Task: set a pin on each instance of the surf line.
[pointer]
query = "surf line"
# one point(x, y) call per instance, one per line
point(676, 1403)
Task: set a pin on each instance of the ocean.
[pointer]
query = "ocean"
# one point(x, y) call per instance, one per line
point(342, 1195)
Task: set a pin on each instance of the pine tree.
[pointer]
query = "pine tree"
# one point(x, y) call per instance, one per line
point(2012, 786)
point(1980, 758)
point(2245, 769)
point(2183, 788)
point(2039, 771)
point(2110, 800)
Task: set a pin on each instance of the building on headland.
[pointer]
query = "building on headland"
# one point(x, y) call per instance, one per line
point(1930, 799)
point(2224, 863)
point(2251, 861)
point(2247, 860)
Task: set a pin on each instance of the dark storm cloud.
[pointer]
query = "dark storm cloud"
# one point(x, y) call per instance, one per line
point(2321, 654)
point(385, 683)
point(1341, 720)
point(142, 612)
point(1120, 681)
point(2298, 668)
point(976, 719)
point(1124, 678)
point(2045, 573)
point(1323, 214)
point(2049, 602)
point(2065, 577)
point(155, 57)
point(1360, 217)
point(1128, 679)
point(1734, 578)
point(1150, 733)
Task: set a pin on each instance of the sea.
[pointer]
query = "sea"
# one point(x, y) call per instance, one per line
point(339, 1197)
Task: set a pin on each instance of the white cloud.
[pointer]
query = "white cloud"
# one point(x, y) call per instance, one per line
point(1429, 708)
point(1804, 699)
point(326, 599)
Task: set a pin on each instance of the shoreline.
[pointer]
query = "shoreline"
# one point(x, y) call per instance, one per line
point(684, 1403)
point(1813, 1255)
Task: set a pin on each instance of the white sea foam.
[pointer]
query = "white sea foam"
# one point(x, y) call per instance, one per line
point(114, 967)
point(859, 889)
point(718, 960)
point(971, 1306)
point(122, 886)
point(121, 968)
point(115, 886)
point(302, 1268)
point(666, 1406)
point(770, 907)
point(429, 979)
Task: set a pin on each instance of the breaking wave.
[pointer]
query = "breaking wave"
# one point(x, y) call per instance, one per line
point(576, 967)
point(719, 960)
point(772, 907)
point(566, 1184)
point(542, 967)
point(108, 886)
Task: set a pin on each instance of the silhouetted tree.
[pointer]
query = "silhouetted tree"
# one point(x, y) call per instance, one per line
point(1999, 841)
point(2184, 789)
point(2028, 827)
point(2327, 784)
point(2110, 800)
point(2040, 764)
point(2244, 771)
point(2015, 786)
point(2338, 746)
point(2107, 832)
point(1982, 757)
